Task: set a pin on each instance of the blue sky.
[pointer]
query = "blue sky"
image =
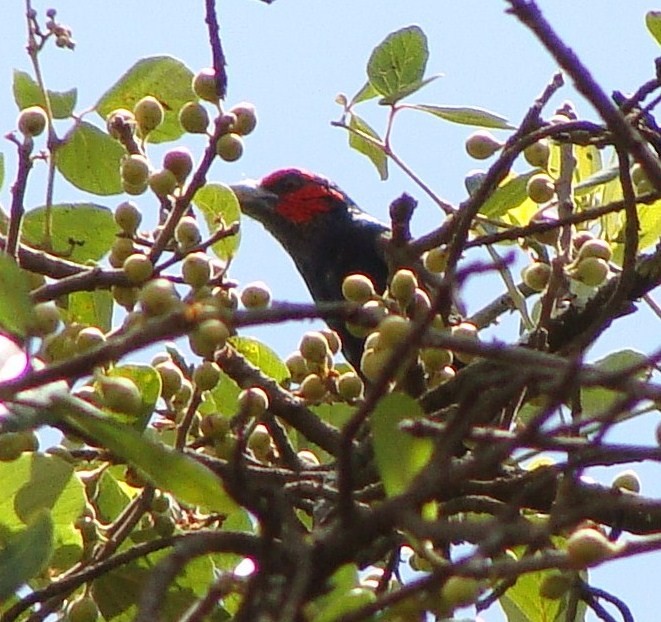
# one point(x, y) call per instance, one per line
point(292, 58)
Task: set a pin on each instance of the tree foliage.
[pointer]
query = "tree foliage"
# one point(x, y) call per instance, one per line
point(218, 481)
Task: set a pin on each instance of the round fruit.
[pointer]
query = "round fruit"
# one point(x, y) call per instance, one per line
point(45, 319)
point(179, 162)
point(229, 147)
point(209, 336)
point(358, 288)
point(436, 259)
point(591, 271)
point(403, 285)
point(171, 378)
point(134, 169)
point(588, 547)
point(204, 85)
point(536, 276)
point(182, 398)
point(350, 386)
point(121, 249)
point(256, 295)
point(83, 609)
point(467, 331)
point(32, 121)
point(124, 296)
point(314, 347)
point(627, 480)
point(298, 368)
point(372, 363)
point(215, 426)
point(13, 444)
point(134, 189)
point(333, 340)
point(540, 188)
point(393, 329)
point(194, 118)
point(120, 394)
point(164, 525)
point(196, 269)
point(259, 440)
point(435, 359)
point(309, 459)
point(206, 375)
point(460, 591)
point(138, 268)
point(253, 402)
point(482, 145)
point(88, 338)
point(149, 114)
point(640, 179)
point(118, 119)
point(538, 153)
point(312, 388)
point(246, 118)
point(554, 586)
point(187, 233)
point(157, 297)
point(128, 217)
point(595, 248)
point(163, 182)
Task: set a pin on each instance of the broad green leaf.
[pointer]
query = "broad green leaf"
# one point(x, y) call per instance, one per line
point(220, 208)
point(364, 146)
point(653, 23)
point(510, 194)
point(365, 93)
point(649, 217)
point(25, 554)
point(148, 381)
point(466, 115)
point(522, 602)
point(91, 308)
point(27, 93)
point(16, 308)
point(172, 471)
point(90, 160)
point(261, 356)
point(398, 62)
point(112, 496)
point(405, 92)
point(163, 77)
point(82, 232)
point(223, 398)
point(399, 456)
point(345, 595)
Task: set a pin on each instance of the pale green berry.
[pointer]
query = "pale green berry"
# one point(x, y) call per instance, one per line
point(162, 183)
point(32, 121)
point(403, 285)
point(206, 375)
point(207, 337)
point(253, 402)
point(196, 269)
point(128, 217)
point(179, 162)
point(138, 268)
point(204, 85)
point(540, 188)
point(149, 114)
point(482, 144)
point(256, 295)
point(134, 169)
point(194, 118)
point(358, 288)
point(314, 347)
point(157, 297)
point(229, 147)
point(312, 388)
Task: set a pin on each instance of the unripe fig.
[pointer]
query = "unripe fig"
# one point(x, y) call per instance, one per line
point(117, 119)
point(591, 271)
point(640, 179)
point(435, 359)
point(196, 269)
point(134, 169)
point(214, 426)
point(436, 259)
point(259, 441)
point(124, 296)
point(13, 444)
point(164, 525)
point(45, 319)
point(246, 118)
point(536, 275)
point(441, 376)
point(349, 386)
point(171, 378)
point(32, 121)
point(358, 288)
point(157, 297)
point(298, 368)
point(88, 338)
point(482, 145)
point(393, 329)
point(138, 268)
point(206, 375)
point(595, 248)
point(162, 183)
point(120, 394)
point(372, 363)
point(229, 147)
point(467, 331)
point(555, 585)
point(149, 114)
point(460, 591)
point(182, 398)
point(209, 336)
point(588, 547)
point(314, 347)
point(403, 285)
point(204, 85)
point(309, 459)
point(194, 118)
point(83, 609)
point(256, 295)
point(187, 232)
point(581, 238)
point(538, 153)
point(128, 217)
point(134, 189)
point(540, 188)
point(333, 340)
point(253, 402)
point(179, 162)
point(121, 249)
point(312, 388)
point(627, 480)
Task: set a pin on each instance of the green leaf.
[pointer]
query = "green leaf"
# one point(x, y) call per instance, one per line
point(399, 456)
point(220, 208)
point(398, 63)
point(367, 148)
point(16, 307)
point(90, 159)
point(148, 381)
point(649, 230)
point(405, 92)
point(653, 23)
point(163, 77)
point(510, 194)
point(26, 554)
point(170, 470)
point(82, 232)
point(27, 93)
point(91, 308)
point(365, 93)
point(261, 356)
point(466, 115)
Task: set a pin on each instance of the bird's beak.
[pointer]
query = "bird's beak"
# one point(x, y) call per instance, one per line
point(252, 198)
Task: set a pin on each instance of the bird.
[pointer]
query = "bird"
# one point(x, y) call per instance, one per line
point(326, 234)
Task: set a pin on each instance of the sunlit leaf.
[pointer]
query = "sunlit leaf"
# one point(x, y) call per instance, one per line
point(365, 93)
point(27, 93)
point(366, 147)
point(510, 194)
point(653, 23)
point(260, 355)
point(91, 308)
point(220, 208)
point(148, 382)
point(467, 115)
point(16, 307)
